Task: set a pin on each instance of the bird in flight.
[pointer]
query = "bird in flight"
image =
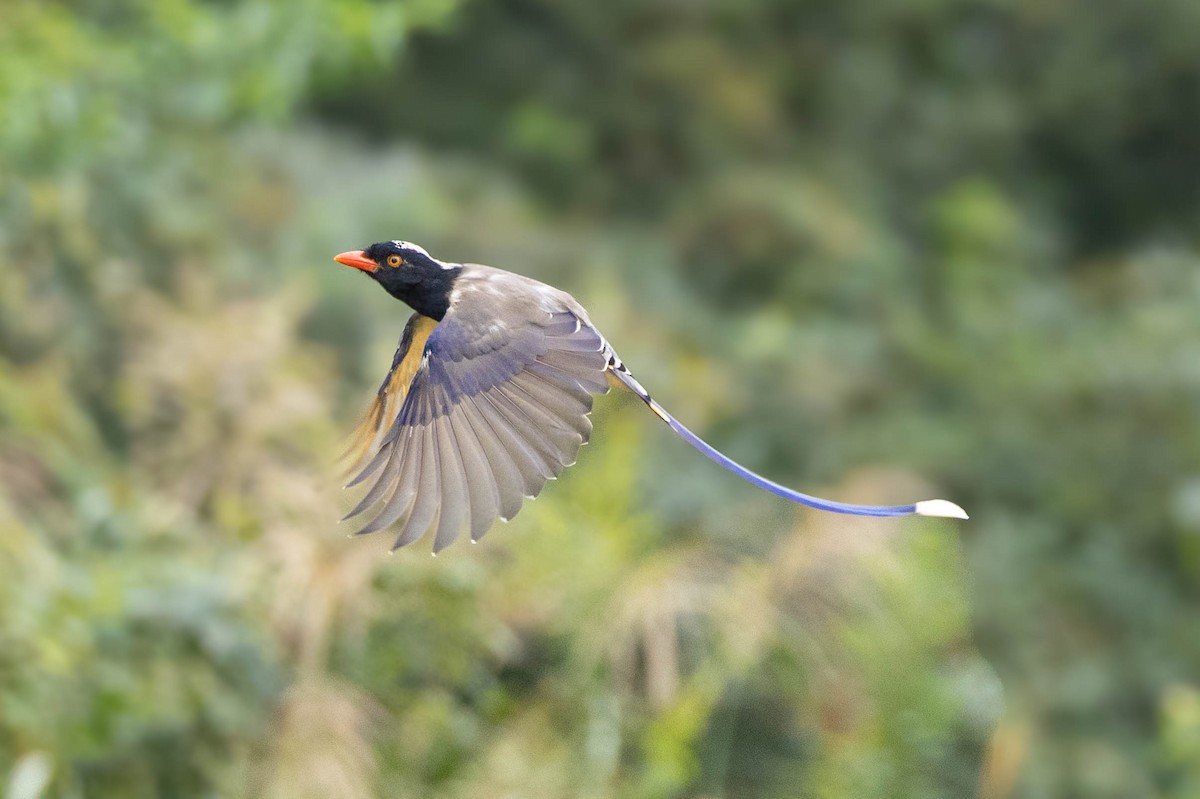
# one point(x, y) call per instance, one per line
point(488, 398)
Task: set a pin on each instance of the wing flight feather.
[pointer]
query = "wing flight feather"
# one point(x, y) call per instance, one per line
point(489, 413)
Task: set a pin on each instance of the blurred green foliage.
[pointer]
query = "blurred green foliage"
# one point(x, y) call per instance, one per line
point(881, 249)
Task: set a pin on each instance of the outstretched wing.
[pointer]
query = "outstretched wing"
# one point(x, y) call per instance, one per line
point(497, 405)
point(392, 391)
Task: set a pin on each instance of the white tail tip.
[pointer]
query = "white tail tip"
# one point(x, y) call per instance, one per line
point(941, 507)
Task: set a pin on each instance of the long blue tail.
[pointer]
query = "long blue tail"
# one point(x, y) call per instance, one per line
point(930, 507)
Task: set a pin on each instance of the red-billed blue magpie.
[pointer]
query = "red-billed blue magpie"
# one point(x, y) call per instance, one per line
point(488, 397)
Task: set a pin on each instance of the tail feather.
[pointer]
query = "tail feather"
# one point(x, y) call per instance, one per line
point(931, 507)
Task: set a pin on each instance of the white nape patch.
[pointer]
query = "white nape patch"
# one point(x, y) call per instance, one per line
point(941, 507)
point(408, 245)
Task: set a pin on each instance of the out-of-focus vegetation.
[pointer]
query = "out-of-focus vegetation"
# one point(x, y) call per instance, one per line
point(883, 250)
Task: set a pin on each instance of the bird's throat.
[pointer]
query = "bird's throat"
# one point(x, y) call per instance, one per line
point(429, 295)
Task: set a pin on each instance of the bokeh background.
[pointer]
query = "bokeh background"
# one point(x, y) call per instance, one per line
point(877, 250)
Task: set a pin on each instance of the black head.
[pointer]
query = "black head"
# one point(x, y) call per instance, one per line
point(408, 273)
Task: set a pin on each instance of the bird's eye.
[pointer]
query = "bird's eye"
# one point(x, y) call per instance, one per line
point(394, 260)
